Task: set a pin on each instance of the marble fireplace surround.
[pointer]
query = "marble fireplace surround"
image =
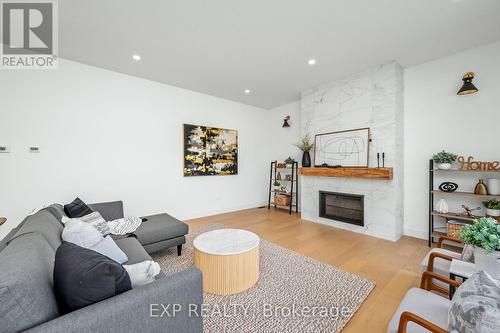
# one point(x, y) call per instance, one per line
point(374, 99)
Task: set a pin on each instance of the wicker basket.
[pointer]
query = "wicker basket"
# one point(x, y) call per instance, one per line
point(453, 229)
point(282, 200)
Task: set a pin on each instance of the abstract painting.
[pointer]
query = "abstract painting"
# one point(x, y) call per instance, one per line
point(345, 148)
point(210, 151)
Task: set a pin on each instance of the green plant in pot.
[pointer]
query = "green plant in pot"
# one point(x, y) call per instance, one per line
point(492, 207)
point(484, 235)
point(444, 160)
point(276, 185)
point(306, 146)
point(289, 160)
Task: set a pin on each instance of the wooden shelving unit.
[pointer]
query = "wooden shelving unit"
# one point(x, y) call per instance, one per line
point(292, 184)
point(435, 232)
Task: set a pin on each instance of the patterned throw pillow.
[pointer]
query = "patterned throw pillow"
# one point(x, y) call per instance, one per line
point(94, 219)
point(475, 307)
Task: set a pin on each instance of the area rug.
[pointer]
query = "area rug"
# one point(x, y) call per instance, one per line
point(294, 293)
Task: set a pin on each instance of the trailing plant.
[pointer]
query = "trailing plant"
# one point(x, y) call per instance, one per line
point(492, 204)
point(444, 157)
point(305, 144)
point(276, 183)
point(289, 160)
point(483, 233)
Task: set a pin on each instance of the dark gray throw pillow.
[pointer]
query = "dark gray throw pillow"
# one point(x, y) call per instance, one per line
point(77, 208)
point(83, 277)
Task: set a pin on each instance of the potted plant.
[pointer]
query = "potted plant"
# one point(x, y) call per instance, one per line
point(289, 160)
point(492, 207)
point(276, 185)
point(444, 159)
point(484, 235)
point(306, 146)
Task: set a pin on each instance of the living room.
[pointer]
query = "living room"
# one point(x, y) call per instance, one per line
point(210, 149)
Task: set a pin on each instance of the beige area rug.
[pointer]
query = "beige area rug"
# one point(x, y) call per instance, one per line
point(294, 293)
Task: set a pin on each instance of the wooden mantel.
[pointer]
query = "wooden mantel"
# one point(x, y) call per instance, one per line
point(368, 173)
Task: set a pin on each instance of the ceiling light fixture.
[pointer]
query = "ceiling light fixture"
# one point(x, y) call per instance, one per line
point(312, 62)
point(136, 57)
point(247, 91)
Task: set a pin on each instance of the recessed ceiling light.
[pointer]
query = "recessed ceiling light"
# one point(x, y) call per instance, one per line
point(136, 57)
point(247, 91)
point(312, 62)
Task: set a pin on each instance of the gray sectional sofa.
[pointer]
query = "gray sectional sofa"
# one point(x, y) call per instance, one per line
point(27, 300)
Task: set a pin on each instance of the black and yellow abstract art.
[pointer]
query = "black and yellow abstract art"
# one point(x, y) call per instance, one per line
point(210, 151)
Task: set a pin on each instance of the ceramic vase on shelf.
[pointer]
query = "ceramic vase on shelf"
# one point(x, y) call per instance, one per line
point(488, 262)
point(444, 166)
point(494, 186)
point(306, 159)
point(442, 206)
point(492, 212)
point(481, 188)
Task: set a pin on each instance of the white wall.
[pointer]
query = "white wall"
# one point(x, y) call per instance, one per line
point(282, 139)
point(109, 136)
point(436, 118)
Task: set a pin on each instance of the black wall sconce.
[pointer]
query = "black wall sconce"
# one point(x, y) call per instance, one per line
point(285, 121)
point(468, 88)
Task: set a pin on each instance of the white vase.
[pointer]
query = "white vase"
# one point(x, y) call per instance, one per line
point(444, 166)
point(442, 206)
point(488, 262)
point(493, 212)
point(494, 186)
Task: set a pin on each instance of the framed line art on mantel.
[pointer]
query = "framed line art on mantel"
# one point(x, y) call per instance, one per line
point(348, 148)
point(210, 151)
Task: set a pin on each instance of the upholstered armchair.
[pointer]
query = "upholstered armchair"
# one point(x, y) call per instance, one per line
point(438, 260)
point(422, 310)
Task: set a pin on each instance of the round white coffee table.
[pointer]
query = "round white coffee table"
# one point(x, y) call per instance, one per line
point(228, 259)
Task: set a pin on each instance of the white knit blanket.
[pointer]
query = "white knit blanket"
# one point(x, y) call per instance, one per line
point(124, 226)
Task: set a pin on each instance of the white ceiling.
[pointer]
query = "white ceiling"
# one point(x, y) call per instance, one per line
point(222, 47)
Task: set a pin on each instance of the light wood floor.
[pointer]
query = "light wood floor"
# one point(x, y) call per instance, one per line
point(393, 266)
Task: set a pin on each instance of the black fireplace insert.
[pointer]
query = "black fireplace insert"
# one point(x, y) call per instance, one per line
point(343, 207)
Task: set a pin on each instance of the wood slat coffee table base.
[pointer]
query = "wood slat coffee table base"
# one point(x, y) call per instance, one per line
point(228, 274)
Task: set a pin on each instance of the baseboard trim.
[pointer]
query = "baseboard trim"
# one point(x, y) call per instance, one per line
point(422, 234)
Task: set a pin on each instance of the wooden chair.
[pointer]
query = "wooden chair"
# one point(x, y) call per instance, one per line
point(421, 310)
point(438, 260)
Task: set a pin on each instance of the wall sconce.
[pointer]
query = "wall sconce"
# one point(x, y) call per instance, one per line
point(468, 88)
point(285, 121)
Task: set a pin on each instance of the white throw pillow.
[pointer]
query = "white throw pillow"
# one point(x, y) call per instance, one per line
point(109, 248)
point(142, 273)
point(80, 233)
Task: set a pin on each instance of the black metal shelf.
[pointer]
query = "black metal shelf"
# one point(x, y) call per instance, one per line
point(294, 187)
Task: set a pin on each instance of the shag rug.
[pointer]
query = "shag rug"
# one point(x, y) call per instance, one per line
point(294, 293)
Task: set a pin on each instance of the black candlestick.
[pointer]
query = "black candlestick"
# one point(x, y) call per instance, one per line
point(383, 160)
point(378, 160)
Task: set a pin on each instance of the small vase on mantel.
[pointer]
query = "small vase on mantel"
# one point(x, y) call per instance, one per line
point(306, 159)
point(480, 188)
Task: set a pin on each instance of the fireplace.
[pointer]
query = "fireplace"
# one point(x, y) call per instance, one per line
point(343, 207)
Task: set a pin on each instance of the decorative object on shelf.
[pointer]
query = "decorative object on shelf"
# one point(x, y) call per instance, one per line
point(349, 148)
point(492, 207)
point(276, 185)
point(484, 235)
point(481, 188)
point(288, 177)
point(282, 200)
point(285, 121)
point(306, 146)
point(453, 228)
point(210, 151)
point(289, 161)
point(280, 165)
point(448, 187)
point(468, 211)
point(284, 189)
point(444, 160)
point(278, 176)
point(471, 165)
point(494, 186)
point(468, 87)
point(442, 206)
point(2, 220)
